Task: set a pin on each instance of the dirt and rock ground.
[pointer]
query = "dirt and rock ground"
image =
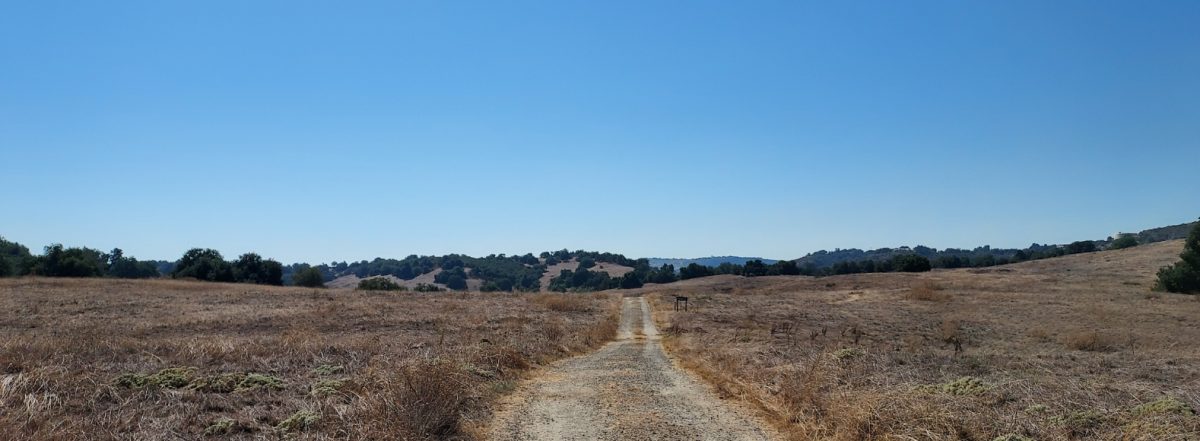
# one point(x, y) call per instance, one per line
point(628, 390)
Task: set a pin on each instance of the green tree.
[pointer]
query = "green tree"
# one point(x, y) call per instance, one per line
point(454, 278)
point(70, 262)
point(123, 267)
point(788, 268)
point(664, 274)
point(754, 268)
point(1184, 276)
point(272, 273)
point(203, 264)
point(1125, 241)
point(694, 270)
point(15, 257)
point(631, 281)
point(248, 268)
point(252, 268)
point(911, 263)
point(586, 262)
point(310, 277)
point(1082, 246)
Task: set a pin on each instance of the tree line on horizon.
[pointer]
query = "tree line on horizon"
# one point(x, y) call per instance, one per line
point(500, 272)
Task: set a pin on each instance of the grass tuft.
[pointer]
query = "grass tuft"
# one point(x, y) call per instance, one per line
point(299, 421)
point(1165, 406)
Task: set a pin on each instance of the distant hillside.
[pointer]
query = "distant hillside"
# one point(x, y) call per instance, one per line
point(1165, 233)
point(713, 261)
point(981, 256)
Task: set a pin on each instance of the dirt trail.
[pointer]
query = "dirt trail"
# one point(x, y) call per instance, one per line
point(627, 390)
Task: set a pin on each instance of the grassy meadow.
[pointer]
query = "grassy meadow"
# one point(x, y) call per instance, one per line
point(1076, 347)
point(161, 359)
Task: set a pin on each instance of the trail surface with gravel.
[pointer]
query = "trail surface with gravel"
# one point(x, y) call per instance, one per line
point(627, 390)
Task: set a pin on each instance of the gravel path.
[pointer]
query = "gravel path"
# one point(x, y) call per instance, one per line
point(627, 390)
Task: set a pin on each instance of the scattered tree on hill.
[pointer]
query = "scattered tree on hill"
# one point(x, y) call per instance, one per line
point(310, 277)
point(785, 268)
point(694, 270)
point(582, 280)
point(630, 281)
point(754, 268)
point(426, 287)
point(123, 267)
point(203, 264)
point(1082, 246)
point(911, 263)
point(664, 274)
point(379, 284)
point(1184, 276)
point(251, 268)
point(1125, 241)
point(15, 259)
point(70, 262)
point(454, 278)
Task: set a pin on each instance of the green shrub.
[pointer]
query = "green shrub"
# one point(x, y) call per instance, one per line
point(1165, 406)
point(223, 383)
point(1081, 422)
point(848, 353)
point(298, 421)
point(221, 426)
point(966, 386)
point(1184, 276)
point(380, 284)
point(327, 387)
point(256, 381)
point(169, 378)
point(310, 277)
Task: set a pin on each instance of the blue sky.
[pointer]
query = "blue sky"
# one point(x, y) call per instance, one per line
point(319, 131)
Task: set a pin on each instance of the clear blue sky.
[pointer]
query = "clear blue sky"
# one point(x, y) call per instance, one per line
point(319, 131)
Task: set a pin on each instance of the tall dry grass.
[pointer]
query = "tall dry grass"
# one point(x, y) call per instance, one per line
point(247, 362)
point(1062, 349)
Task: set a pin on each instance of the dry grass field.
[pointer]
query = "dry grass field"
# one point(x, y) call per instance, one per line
point(156, 360)
point(1076, 347)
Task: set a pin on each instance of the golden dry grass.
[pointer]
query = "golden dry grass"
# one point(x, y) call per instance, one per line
point(253, 362)
point(1065, 348)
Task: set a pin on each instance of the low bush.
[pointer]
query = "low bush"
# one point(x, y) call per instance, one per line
point(966, 386)
point(1184, 276)
point(1165, 406)
point(169, 378)
point(380, 284)
point(299, 421)
point(327, 387)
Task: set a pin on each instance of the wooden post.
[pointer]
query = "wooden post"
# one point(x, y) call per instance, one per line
point(683, 300)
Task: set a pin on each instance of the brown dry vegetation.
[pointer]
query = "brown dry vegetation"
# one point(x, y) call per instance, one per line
point(147, 360)
point(1064, 348)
